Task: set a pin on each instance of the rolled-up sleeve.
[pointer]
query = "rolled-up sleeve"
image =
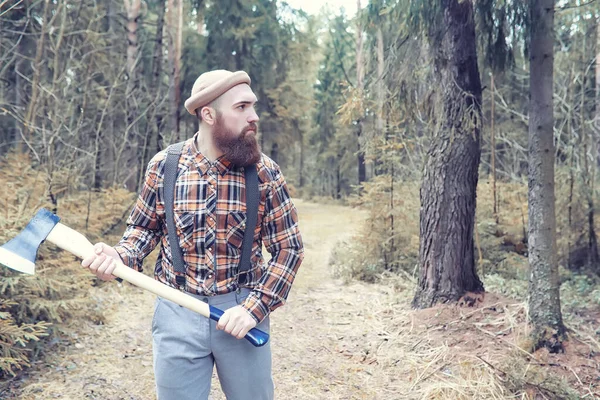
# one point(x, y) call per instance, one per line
point(282, 239)
point(143, 227)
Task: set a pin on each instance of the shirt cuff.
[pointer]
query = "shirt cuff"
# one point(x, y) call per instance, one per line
point(256, 307)
point(129, 260)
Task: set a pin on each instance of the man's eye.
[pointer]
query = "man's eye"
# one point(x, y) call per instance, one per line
point(242, 106)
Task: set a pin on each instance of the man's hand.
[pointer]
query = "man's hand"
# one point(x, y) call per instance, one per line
point(102, 262)
point(236, 321)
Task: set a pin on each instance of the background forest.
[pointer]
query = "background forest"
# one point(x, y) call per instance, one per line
point(356, 109)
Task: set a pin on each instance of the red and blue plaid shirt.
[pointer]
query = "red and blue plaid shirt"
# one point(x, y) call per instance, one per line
point(210, 217)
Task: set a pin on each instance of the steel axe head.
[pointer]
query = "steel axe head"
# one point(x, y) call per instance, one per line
point(21, 251)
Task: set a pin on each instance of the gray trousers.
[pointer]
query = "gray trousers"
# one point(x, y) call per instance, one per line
point(187, 345)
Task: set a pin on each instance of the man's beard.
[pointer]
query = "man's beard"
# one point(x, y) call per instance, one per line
point(240, 149)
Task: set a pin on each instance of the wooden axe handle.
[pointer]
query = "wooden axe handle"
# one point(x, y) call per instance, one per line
point(74, 242)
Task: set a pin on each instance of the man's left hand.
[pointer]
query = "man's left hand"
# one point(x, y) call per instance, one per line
point(236, 321)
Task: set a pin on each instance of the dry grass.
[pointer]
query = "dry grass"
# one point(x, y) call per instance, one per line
point(59, 292)
point(336, 340)
point(449, 352)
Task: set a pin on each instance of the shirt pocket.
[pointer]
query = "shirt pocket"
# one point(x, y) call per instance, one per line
point(236, 224)
point(184, 224)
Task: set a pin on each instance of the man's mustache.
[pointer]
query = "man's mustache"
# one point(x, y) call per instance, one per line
point(251, 127)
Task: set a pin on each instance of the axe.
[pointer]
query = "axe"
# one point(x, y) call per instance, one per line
point(20, 254)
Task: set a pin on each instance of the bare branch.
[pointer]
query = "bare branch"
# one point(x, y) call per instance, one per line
point(6, 1)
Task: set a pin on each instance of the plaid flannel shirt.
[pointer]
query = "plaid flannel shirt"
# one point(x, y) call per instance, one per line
point(210, 216)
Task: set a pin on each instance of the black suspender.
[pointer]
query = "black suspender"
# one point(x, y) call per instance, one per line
point(170, 176)
point(252, 198)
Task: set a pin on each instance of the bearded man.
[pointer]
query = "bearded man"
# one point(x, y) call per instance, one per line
point(210, 215)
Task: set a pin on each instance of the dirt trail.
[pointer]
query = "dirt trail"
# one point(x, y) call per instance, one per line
point(315, 336)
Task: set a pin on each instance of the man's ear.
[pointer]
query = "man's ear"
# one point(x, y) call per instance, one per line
point(208, 115)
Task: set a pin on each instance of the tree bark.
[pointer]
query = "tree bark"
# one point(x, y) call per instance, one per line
point(392, 172)
point(493, 150)
point(157, 65)
point(593, 243)
point(29, 120)
point(175, 24)
point(338, 177)
point(544, 296)
point(448, 191)
point(380, 83)
point(100, 147)
point(360, 72)
point(380, 95)
point(301, 142)
point(597, 70)
point(19, 93)
point(133, 8)
point(588, 171)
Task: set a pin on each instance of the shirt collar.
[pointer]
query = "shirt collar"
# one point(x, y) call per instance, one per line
point(222, 164)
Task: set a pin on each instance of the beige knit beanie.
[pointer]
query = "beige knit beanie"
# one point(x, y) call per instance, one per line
point(211, 85)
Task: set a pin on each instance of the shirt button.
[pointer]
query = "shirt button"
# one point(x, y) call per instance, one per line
point(209, 276)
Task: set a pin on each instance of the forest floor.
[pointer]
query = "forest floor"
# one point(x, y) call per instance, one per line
point(334, 340)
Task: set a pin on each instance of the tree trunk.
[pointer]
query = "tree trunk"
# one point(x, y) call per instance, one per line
point(29, 121)
point(360, 72)
point(572, 143)
point(362, 168)
point(157, 65)
point(493, 150)
point(380, 83)
point(588, 170)
point(338, 177)
point(175, 24)
point(177, 70)
point(392, 172)
point(133, 9)
point(593, 243)
point(301, 142)
point(448, 191)
point(19, 94)
point(380, 95)
point(100, 146)
point(133, 13)
point(597, 70)
point(544, 296)
point(151, 140)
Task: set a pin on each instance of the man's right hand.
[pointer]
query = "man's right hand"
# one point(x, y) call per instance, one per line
point(103, 262)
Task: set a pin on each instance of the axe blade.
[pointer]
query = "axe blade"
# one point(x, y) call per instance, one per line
point(21, 251)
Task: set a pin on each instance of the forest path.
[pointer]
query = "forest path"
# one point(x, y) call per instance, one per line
point(318, 337)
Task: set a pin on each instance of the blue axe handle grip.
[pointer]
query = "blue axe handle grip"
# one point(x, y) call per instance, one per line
point(255, 336)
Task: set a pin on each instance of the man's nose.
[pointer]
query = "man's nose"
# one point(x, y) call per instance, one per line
point(253, 117)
